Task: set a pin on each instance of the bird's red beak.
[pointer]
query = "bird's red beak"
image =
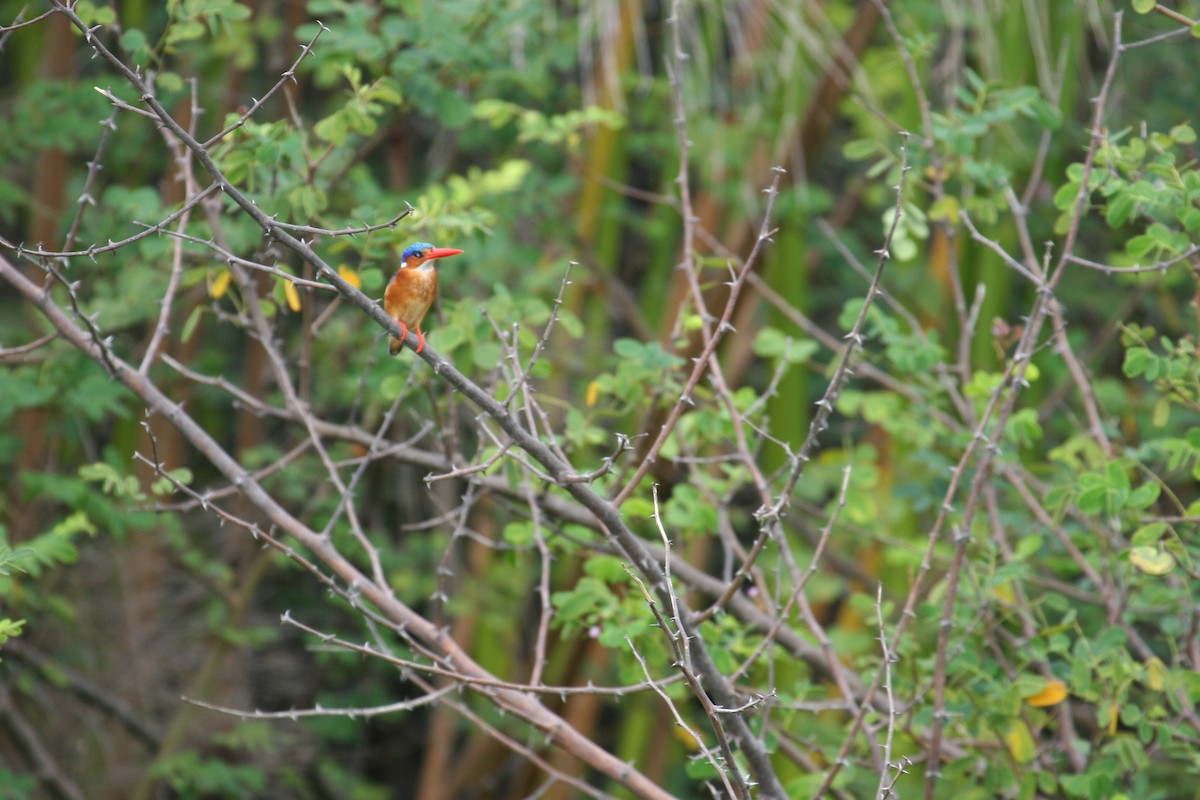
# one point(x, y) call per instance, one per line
point(442, 252)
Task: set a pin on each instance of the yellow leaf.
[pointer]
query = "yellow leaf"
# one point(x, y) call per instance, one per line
point(593, 393)
point(220, 284)
point(1004, 592)
point(350, 276)
point(1113, 717)
point(1053, 693)
point(1156, 673)
point(945, 209)
point(1151, 560)
point(688, 740)
point(947, 172)
point(293, 297)
point(1020, 743)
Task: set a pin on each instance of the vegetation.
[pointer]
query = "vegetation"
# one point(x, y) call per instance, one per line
point(815, 411)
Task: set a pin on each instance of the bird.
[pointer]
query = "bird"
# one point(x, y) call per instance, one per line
point(411, 290)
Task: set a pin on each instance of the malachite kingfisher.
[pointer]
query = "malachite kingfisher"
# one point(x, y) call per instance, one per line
point(411, 290)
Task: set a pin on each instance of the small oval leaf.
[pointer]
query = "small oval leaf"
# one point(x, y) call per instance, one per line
point(220, 284)
point(350, 276)
point(1020, 743)
point(1156, 673)
point(293, 296)
point(1053, 693)
point(1151, 560)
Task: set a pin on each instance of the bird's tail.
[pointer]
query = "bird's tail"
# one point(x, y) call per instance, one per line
point(394, 345)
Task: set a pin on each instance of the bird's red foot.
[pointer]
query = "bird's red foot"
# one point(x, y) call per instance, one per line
point(396, 345)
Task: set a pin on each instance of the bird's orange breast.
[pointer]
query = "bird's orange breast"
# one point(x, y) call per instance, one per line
point(410, 294)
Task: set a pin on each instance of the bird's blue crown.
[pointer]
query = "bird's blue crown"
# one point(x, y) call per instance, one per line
point(415, 249)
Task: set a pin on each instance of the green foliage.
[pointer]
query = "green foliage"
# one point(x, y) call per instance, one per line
point(361, 113)
point(18, 786)
point(459, 207)
point(9, 628)
point(536, 126)
point(1146, 181)
point(641, 368)
point(25, 567)
point(192, 776)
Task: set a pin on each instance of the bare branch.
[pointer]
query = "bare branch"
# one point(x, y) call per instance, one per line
point(255, 105)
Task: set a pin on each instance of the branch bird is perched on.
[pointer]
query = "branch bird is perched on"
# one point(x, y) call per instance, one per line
point(411, 290)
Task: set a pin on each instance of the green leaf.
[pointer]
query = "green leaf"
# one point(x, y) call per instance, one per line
point(10, 628)
point(1144, 6)
point(450, 337)
point(193, 320)
point(518, 534)
point(571, 323)
point(1189, 218)
point(609, 569)
point(1119, 210)
point(688, 511)
point(945, 209)
point(1162, 412)
point(773, 343)
point(169, 82)
point(860, 149)
point(184, 32)
point(487, 355)
point(770, 343)
point(1148, 534)
point(372, 280)
point(235, 12)
point(1047, 114)
point(579, 604)
point(1118, 482)
point(1027, 546)
point(1183, 133)
point(1144, 496)
point(1138, 361)
point(1140, 246)
point(332, 129)
point(134, 42)
point(1104, 493)
point(112, 482)
point(1064, 198)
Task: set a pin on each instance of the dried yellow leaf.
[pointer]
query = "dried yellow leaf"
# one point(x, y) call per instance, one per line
point(689, 741)
point(1156, 673)
point(220, 284)
point(350, 276)
point(1151, 560)
point(1020, 743)
point(1053, 693)
point(1004, 592)
point(293, 296)
point(593, 393)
